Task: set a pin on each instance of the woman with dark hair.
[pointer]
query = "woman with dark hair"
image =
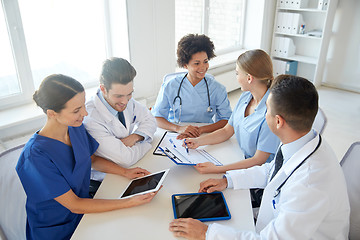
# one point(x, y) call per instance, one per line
point(192, 96)
point(54, 167)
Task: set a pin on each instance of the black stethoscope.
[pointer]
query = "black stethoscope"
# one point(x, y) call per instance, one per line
point(209, 109)
point(277, 192)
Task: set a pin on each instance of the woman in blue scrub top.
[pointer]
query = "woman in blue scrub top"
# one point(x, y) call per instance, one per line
point(192, 97)
point(54, 166)
point(254, 72)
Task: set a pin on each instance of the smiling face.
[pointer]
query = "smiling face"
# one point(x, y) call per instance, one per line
point(197, 66)
point(74, 111)
point(118, 95)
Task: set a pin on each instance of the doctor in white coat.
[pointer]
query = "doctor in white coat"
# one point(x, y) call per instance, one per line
point(305, 194)
point(123, 127)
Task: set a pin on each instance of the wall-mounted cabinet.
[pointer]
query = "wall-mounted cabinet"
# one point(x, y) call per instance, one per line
point(302, 31)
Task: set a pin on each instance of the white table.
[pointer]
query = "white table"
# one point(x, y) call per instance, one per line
point(151, 221)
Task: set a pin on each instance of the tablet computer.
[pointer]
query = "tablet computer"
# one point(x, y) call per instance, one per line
point(146, 184)
point(201, 206)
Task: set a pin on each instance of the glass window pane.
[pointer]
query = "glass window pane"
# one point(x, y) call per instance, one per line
point(188, 17)
point(64, 36)
point(225, 23)
point(9, 83)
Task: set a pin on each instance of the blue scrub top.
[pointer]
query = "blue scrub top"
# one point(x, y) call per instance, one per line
point(48, 168)
point(252, 132)
point(194, 101)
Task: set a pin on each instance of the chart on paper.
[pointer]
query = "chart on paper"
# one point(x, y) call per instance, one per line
point(173, 148)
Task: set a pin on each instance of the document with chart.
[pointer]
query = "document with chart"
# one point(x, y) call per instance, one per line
point(173, 149)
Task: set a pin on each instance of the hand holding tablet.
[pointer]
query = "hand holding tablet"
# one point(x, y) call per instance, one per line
point(146, 184)
point(201, 206)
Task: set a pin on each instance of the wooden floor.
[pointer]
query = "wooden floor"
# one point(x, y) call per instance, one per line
point(342, 109)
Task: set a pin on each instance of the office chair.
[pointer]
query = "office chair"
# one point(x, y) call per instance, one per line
point(351, 167)
point(170, 76)
point(12, 197)
point(320, 121)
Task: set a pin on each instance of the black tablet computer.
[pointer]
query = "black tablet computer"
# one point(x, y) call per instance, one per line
point(201, 206)
point(146, 184)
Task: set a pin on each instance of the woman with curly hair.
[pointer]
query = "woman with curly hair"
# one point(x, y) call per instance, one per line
point(193, 96)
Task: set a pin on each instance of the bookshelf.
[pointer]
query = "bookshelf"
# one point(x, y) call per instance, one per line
point(310, 46)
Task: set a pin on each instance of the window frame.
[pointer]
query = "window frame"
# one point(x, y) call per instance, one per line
point(21, 59)
point(205, 26)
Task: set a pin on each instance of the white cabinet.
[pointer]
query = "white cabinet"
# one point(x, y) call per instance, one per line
point(307, 45)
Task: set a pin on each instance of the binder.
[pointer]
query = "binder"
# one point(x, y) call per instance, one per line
point(284, 67)
point(281, 3)
point(288, 22)
point(301, 4)
point(288, 47)
point(323, 4)
point(279, 22)
point(297, 21)
point(291, 67)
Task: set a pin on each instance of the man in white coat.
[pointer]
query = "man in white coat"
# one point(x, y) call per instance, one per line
point(123, 127)
point(305, 194)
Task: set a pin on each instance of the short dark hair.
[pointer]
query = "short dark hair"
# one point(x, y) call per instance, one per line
point(55, 90)
point(296, 100)
point(116, 70)
point(191, 44)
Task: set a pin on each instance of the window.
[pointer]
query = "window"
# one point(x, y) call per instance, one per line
point(9, 84)
point(43, 37)
point(221, 20)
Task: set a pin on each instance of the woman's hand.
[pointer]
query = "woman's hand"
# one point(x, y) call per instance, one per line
point(192, 143)
point(188, 228)
point(207, 167)
point(188, 131)
point(137, 172)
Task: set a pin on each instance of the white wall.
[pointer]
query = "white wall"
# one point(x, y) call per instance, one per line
point(342, 67)
point(151, 40)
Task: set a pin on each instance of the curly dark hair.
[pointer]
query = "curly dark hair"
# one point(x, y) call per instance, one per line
point(191, 44)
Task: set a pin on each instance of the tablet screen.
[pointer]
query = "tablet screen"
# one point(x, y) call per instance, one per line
point(149, 183)
point(201, 206)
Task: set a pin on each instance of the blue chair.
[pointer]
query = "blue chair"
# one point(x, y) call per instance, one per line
point(12, 197)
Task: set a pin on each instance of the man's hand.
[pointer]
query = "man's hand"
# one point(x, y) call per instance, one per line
point(188, 228)
point(212, 185)
point(130, 140)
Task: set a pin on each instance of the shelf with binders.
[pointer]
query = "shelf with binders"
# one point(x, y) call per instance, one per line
point(306, 35)
point(315, 10)
point(299, 58)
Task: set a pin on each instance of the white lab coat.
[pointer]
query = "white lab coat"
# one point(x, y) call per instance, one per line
point(312, 204)
point(108, 130)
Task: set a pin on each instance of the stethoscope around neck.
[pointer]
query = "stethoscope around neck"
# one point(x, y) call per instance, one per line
point(278, 190)
point(209, 109)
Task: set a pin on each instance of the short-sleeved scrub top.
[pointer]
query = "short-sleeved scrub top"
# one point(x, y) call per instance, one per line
point(252, 132)
point(48, 168)
point(194, 101)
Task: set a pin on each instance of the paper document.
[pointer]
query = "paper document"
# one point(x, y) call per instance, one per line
point(173, 148)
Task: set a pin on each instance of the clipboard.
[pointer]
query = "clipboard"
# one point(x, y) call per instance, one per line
point(157, 150)
point(172, 148)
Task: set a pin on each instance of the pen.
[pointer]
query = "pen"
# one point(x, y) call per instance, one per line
point(273, 202)
point(186, 146)
point(171, 141)
point(134, 118)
